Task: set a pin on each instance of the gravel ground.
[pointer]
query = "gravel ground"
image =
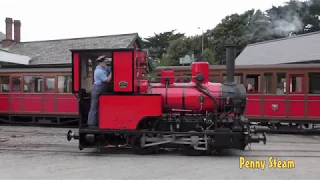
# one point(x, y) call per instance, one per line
point(44, 153)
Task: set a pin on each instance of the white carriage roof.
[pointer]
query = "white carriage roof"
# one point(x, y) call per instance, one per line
point(294, 49)
point(6, 57)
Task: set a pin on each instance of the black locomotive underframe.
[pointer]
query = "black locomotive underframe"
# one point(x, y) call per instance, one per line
point(201, 141)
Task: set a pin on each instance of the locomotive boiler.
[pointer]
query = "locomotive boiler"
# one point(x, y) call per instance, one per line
point(197, 117)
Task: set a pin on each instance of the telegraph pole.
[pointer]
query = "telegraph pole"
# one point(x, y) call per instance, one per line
point(201, 39)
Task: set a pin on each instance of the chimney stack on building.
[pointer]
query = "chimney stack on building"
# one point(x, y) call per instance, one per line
point(9, 22)
point(17, 30)
point(8, 41)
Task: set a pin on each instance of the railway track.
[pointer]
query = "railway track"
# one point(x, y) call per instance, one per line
point(35, 133)
point(229, 153)
point(272, 150)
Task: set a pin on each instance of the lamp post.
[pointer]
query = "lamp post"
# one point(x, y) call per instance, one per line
point(201, 39)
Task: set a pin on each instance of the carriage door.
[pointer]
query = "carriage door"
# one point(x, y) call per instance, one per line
point(296, 99)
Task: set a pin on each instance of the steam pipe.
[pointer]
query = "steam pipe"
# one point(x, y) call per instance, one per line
point(230, 63)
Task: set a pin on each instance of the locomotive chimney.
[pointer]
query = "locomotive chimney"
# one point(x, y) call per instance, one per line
point(230, 63)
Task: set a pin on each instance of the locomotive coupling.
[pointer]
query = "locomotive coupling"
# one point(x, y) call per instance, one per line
point(71, 135)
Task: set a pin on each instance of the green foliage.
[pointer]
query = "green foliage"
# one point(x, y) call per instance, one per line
point(209, 56)
point(158, 43)
point(232, 30)
point(152, 74)
point(178, 48)
point(166, 61)
point(293, 17)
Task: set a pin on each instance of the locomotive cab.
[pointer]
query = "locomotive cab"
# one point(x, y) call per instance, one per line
point(126, 65)
point(197, 116)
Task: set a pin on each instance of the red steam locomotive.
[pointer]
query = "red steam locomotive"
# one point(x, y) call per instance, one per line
point(198, 116)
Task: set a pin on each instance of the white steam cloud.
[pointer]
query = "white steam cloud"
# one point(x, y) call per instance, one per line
point(290, 22)
point(287, 25)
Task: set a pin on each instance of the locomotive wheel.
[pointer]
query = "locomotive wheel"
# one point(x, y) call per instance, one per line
point(137, 149)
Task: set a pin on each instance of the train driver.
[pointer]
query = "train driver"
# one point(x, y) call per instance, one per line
point(102, 77)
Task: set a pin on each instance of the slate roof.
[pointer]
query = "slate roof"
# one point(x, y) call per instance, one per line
point(2, 36)
point(301, 48)
point(58, 51)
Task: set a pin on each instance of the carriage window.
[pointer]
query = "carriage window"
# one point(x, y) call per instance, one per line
point(33, 84)
point(253, 83)
point(314, 83)
point(186, 78)
point(179, 80)
point(156, 79)
point(64, 84)
point(296, 84)
point(50, 81)
point(237, 79)
point(4, 81)
point(267, 83)
point(214, 78)
point(281, 83)
point(16, 83)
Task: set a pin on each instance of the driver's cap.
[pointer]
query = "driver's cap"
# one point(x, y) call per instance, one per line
point(101, 58)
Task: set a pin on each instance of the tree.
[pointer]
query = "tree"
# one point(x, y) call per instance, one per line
point(310, 12)
point(294, 17)
point(179, 48)
point(231, 30)
point(195, 45)
point(285, 20)
point(209, 56)
point(158, 43)
point(257, 29)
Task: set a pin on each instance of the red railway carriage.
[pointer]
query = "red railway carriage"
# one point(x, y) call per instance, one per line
point(197, 116)
point(37, 94)
point(35, 76)
point(277, 94)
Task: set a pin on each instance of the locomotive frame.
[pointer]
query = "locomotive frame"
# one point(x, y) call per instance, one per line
point(131, 115)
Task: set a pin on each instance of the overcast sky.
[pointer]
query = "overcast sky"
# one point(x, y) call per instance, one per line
point(56, 19)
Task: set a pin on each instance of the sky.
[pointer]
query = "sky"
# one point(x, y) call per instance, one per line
point(59, 19)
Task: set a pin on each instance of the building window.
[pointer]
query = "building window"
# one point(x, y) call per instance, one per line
point(64, 84)
point(33, 84)
point(5, 83)
point(50, 82)
point(16, 83)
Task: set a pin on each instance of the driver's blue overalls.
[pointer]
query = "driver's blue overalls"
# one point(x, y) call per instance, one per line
point(99, 86)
